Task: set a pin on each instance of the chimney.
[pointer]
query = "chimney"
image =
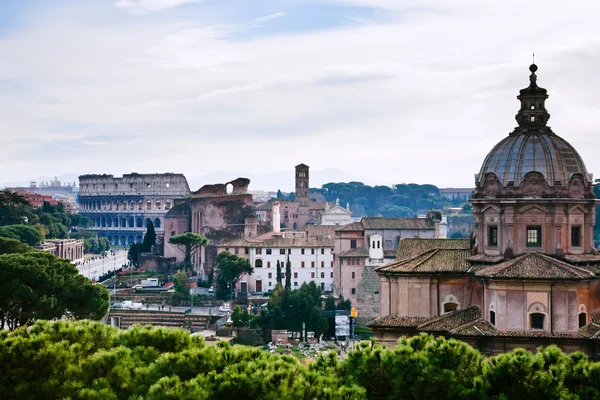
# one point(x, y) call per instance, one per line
point(276, 217)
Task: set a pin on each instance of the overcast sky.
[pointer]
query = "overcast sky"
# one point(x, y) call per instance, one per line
point(390, 90)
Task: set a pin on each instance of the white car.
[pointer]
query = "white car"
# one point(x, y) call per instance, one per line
point(131, 305)
point(224, 308)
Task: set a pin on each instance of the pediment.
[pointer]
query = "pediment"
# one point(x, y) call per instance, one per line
point(491, 207)
point(576, 209)
point(533, 208)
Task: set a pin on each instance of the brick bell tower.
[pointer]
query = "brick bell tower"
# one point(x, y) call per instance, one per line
point(302, 185)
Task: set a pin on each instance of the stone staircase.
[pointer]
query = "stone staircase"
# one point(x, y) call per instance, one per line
point(125, 319)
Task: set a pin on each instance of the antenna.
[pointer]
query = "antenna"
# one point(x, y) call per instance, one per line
point(533, 57)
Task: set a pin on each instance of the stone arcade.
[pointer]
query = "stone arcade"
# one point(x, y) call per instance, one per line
point(527, 277)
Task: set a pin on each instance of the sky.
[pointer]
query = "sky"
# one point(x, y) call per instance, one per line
point(389, 91)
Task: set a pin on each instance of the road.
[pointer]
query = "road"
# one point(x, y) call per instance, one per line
point(94, 269)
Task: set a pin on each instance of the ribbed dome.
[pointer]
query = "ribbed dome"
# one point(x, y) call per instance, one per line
point(544, 152)
point(532, 146)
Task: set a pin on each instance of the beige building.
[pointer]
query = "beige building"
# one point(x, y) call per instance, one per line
point(69, 249)
point(527, 277)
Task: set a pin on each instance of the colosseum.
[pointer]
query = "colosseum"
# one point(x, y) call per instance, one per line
point(121, 208)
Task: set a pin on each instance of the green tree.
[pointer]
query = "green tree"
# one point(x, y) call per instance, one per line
point(317, 322)
point(134, 251)
point(189, 243)
point(330, 303)
point(9, 246)
point(278, 278)
point(149, 238)
point(38, 285)
point(230, 269)
point(14, 208)
point(236, 316)
point(179, 282)
point(288, 275)
point(26, 234)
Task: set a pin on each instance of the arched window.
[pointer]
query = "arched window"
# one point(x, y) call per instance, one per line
point(148, 205)
point(140, 205)
point(157, 223)
point(157, 205)
point(258, 263)
point(492, 317)
point(537, 315)
point(450, 304)
point(449, 307)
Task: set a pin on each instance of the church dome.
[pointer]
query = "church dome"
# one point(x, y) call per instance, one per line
point(532, 146)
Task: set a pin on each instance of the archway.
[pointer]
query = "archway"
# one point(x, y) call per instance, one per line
point(157, 223)
point(139, 222)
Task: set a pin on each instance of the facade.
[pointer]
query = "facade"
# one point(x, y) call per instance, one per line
point(336, 215)
point(121, 208)
point(37, 200)
point(69, 249)
point(310, 254)
point(301, 212)
point(214, 213)
point(363, 246)
point(527, 277)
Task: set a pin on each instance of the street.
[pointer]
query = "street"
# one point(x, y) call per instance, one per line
point(96, 268)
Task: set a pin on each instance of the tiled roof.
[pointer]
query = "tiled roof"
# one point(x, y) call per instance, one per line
point(321, 230)
point(395, 321)
point(179, 210)
point(436, 260)
point(451, 320)
point(397, 223)
point(319, 205)
point(355, 253)
point(582, 258)
point(351, 227)
point(411, 247)
point(479, 327)
point(278, 242)
point(534, 266)
point(484, 258)
point(591, 330)
point(265, 207)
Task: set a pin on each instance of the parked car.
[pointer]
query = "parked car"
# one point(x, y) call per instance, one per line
point(224, 308)
point(131, 305)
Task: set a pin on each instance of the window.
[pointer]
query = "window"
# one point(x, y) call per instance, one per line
point(322, 264)
point(295, 283)
point(449, 307)
point(258, 250)
point(353, 290)
point(268, 264)
point(237, 251)
point(246, 250)
point(295, 275)
point(353, 275)
point(353, 244)
point(289, 251)
point(332, 264)
point(493, 236)
point(582, 319)
point(492, 317)
point(575, 236)
point(302, 264)
point(537, 321)
point(534, 236)
point(322, 251)
point(269, 251)
point(322, 275)
point(258, 263)
point(332, 275)
point(312, 275)
point(270, 275)
point(282, 251)
point(312, 264)
point(301, 251)
point(312, 251)
point(270, 283)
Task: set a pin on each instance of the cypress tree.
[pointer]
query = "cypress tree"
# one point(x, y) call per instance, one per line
point(278, 277)
point(149, 238)
point(288, 275)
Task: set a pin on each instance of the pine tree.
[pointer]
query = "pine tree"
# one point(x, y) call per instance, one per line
point(278, 277)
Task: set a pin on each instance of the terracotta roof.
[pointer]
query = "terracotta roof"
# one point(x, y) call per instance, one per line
point(397, 223)
point(479, 327)
point(591, 330)
point(484, 258)
point(436, 260)
point(582, 258)
point(319, 205)
point(451, 320)
point(355, 253)
point(395, 321)
point(534, 266)
point(411, 247)
point(277, 242)
point(321, 230)
point(351, 227)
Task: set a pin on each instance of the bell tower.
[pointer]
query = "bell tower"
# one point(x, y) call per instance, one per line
point(302, 196)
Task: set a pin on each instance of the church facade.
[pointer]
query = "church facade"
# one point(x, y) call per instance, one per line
point(528, 275)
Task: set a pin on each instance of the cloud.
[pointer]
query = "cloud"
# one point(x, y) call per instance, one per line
point(150, 6)
point(420, 93)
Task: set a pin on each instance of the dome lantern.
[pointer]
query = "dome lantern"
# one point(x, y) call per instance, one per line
point(533, 111)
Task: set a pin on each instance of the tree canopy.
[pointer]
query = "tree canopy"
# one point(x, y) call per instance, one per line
point(189, 243)
point(24, 233)
point(230, 268)
point(89, 360)
point(38, 285)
